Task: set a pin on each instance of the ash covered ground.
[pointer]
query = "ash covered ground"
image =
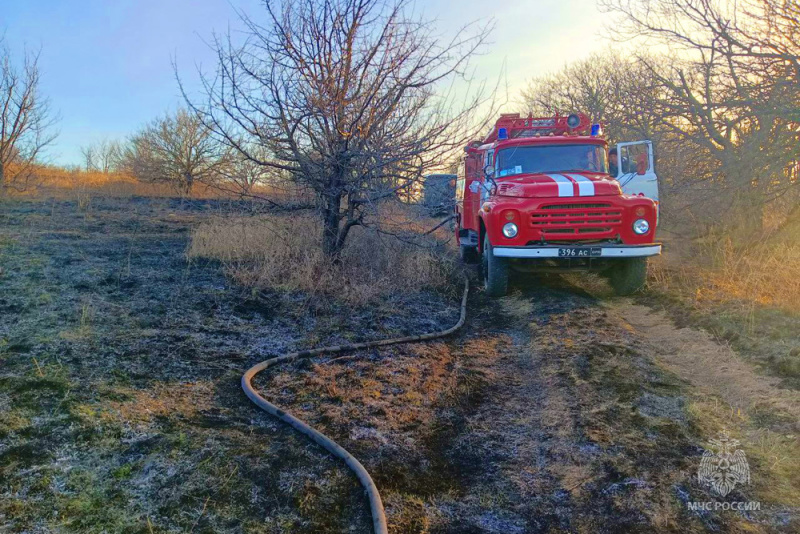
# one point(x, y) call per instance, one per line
point(120, 407)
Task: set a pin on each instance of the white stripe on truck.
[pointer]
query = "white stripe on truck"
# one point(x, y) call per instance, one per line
point(564, 184)
point(585, 185)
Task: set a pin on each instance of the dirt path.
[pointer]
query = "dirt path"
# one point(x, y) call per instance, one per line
point(578, 427)
point(708, 364)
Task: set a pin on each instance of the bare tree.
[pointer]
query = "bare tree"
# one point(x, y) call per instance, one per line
point(103, 156)
point(25, 119)
point(176, 149)
point(245, 175)
point(617, 91)
point(348, 98)
point(88, 153)
point(731, 90)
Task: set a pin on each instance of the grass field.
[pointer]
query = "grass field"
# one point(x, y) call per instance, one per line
point(125, 325)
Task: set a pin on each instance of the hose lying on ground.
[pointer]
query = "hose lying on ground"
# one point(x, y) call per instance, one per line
point(375, 503)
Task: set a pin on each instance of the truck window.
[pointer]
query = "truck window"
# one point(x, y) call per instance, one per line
point(551, 158)
point(634, 159)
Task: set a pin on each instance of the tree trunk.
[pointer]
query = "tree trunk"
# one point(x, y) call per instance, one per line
point(188, 182)
point(331, 245)
point(2, 179)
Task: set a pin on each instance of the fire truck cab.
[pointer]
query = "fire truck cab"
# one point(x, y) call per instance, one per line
point(537, 195)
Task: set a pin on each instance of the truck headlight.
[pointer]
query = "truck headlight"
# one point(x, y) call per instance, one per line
point(510, 230)
point(641, 226)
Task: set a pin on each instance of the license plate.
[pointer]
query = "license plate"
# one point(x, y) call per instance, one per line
point(573, 252)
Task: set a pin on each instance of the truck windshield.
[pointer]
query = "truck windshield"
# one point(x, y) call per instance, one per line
point(551, 158)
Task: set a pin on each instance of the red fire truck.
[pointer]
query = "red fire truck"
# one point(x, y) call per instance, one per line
point(539, 194)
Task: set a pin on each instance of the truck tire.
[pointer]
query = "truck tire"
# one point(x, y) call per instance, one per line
point(629, 276)
point(494, 270)
point(469, 255)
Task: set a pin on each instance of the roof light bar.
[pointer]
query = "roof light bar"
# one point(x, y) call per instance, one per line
point(512, 126)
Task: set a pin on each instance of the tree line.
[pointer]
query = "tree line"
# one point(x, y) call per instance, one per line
point(339, 105)
point(178, 150)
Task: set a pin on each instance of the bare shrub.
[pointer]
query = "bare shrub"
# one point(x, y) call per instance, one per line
point(610, 87)
point(285, 253)
point(715, 85)
point(245, 176)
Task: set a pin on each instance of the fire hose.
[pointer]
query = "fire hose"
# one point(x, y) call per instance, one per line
point(375, 503)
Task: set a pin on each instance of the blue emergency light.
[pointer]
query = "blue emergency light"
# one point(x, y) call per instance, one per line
point(596, 130)
point(502, 133)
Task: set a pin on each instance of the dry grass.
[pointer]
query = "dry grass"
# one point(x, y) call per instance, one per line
point(378, 403)
point(395, 412)
point(81, 186)
point(746, 296)
point(143, 407)
point(685, 350)
point(284, 253)
point(765, 274)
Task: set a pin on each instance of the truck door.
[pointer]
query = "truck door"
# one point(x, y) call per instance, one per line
point(637, 174)
point(468, 199)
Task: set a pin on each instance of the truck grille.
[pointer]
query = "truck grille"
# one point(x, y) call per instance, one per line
point(584, 220)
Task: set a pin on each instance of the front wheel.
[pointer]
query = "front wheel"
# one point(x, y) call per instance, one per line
point(495, 271)
point(629, 276)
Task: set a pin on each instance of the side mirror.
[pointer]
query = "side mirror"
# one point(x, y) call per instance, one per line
point(488, 171)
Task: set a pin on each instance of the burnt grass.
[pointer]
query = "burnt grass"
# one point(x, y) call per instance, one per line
point(120, 406)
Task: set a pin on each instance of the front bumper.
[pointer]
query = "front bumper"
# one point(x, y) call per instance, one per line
point(599, 251)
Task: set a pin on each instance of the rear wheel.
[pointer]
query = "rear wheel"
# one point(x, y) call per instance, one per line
point(629, 276)
point(469, 254)
point(495, 271)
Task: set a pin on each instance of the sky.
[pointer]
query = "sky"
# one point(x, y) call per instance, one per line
point(106, 65)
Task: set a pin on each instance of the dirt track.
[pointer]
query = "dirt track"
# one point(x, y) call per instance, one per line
point(121, 409)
